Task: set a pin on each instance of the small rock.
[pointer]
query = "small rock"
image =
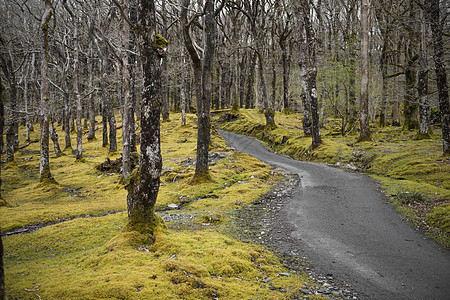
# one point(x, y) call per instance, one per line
point(172, 206)
point(266, 280)
point(284, 274)
point(305, 291)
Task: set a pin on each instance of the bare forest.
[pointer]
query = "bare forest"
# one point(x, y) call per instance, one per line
point(121, 86)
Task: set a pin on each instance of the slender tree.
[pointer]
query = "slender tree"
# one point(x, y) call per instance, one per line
point(364, 97)
point(44, 168)
point(204, 105)
point(432, 11)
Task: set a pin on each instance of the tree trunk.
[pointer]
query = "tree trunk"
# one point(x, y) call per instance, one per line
point(66, 114)
point(286, 71)
point(250, 96)
point(203, 105)
point(44, 168)
point(410, 102)
point(196, 62)
point(127, 101)
point(54, 136)
point(303, 11)
point(422, 89)
point(79, 155)
point(91, 102)
point(242, 76)
point(164, 77)
point(2, 125)
point(364, 96)
point(433, 16)
point(144, 186)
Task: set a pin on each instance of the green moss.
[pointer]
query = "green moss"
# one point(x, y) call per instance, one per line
point(440, 217)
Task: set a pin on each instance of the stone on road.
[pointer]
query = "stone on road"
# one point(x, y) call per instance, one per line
point(347, 229)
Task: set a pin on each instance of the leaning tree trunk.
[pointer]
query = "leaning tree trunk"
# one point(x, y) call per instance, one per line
point(44, 168)
point(203, 104)
point(364, 96)
point(144, 186)
point(433, 15)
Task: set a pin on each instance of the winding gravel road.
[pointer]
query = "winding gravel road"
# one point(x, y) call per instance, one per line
point(348, 230)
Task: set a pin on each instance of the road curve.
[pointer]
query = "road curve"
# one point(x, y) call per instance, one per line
point(349, 230)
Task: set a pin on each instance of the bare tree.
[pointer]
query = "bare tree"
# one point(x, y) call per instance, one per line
point(44, 168)
point(432, 12)
point(303, 11)
point(144, 185)
point(364, 97)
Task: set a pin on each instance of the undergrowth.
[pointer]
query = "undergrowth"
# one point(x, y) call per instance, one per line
point(412, 170)
point(94, 258)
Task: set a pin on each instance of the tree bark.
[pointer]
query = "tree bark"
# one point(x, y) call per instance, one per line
point(303, 11)
point(196, 62)
point(422, 89)
point(364, 96)
point(91, 102)
point(433, 15)
point(204, 104)
point(164, 77)
point(410, 101)
point(286, 69)
point(54, 136)
point(144, 186)
point(127, 114)
point(2, 125)
point(250, 96)
point(44, 168)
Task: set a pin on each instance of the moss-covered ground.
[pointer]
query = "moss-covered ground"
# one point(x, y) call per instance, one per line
point(413, 173)
point(88, 256)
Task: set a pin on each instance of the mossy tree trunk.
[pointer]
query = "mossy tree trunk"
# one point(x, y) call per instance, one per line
point(144, 185)
point(303, 15)
point(54, 136)
point(364, 96)
point(306, 101)
point(432, 11)
point(204, 105)
point(44, 168)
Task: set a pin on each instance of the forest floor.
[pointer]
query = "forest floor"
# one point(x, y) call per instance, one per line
point(413, 173)
point(80, 253)
point(64, 241)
